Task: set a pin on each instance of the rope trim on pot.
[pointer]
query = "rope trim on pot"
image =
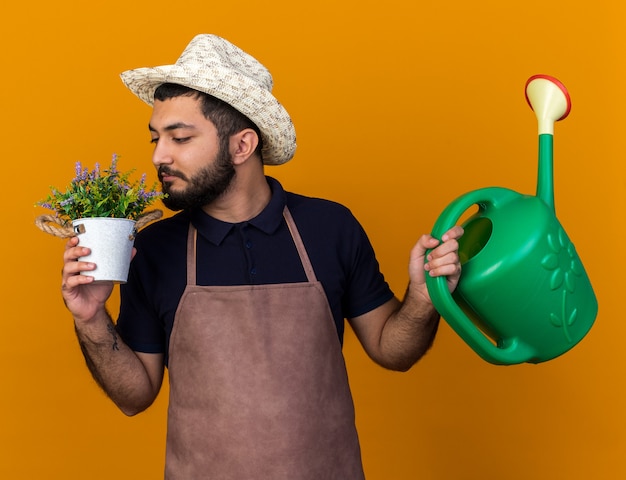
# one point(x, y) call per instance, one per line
point(63, 229)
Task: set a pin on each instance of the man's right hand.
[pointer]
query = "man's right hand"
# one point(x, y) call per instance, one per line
point(83, 298)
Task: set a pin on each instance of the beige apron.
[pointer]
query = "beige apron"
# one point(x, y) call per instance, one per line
point(258, 384)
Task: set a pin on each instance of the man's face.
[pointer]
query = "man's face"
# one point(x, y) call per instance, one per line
point(193, 169)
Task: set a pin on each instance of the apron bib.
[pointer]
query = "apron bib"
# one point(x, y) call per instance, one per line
point(258, 383)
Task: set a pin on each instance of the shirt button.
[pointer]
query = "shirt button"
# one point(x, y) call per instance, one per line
point(248, 244)
point(253, 271)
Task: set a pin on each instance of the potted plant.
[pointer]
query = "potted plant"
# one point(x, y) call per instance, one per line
point(105, 208)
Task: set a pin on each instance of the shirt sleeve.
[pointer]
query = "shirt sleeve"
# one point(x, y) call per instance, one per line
point(366, 287)
point(138, 323)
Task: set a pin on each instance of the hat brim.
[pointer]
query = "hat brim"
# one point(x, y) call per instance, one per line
point(239, 91)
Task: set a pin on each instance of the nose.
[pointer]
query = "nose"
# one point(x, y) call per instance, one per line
point(161, 154)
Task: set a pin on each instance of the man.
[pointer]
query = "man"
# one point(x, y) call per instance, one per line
point(243, 294)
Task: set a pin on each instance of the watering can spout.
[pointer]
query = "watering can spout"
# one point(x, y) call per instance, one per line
point(551, 102)
point(545, 171)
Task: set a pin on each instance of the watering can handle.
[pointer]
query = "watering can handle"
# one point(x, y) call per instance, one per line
point(510, 351)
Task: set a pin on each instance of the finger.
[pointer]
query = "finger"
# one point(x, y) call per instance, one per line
point(418, 252)
point(74, 281)
point(455, 233)
point(448, 266)
point(446, 248)
point(71, 242)
point(426, 242)
point(73, 253)
point(75, 268)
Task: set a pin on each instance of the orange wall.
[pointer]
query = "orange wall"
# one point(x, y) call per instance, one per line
point(399, 106)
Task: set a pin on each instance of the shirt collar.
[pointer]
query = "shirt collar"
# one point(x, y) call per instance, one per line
point(267, 221)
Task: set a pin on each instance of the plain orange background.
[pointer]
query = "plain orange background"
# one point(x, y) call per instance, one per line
point(399, 106)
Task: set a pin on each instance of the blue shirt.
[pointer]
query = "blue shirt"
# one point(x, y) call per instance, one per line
point(256, 252)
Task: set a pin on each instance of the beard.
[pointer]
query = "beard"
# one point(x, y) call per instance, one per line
point(203, 188)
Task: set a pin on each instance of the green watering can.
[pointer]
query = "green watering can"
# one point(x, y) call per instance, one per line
point(523, 295)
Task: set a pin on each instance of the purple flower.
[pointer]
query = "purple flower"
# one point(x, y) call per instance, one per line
point(82, 174)
point(113, 169)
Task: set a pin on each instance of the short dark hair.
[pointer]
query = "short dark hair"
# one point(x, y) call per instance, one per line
point(227, 119)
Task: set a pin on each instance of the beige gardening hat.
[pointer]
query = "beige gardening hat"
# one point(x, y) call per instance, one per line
point(213, 65)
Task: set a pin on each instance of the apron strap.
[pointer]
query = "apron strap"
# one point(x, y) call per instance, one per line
point(304, 257)
point(192, 237)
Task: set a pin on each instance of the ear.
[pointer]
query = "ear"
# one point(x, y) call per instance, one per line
point(243, 145)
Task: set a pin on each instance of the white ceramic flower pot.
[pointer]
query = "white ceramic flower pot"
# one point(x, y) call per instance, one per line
point(111, 243)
